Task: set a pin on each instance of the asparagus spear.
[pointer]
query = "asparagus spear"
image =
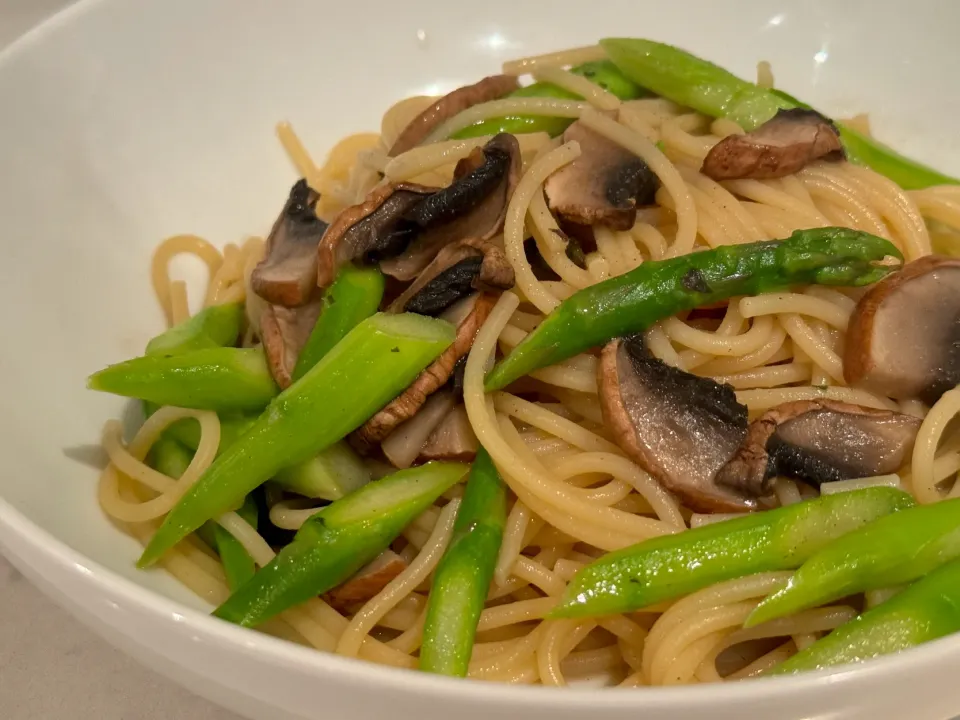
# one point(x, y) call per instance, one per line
point(601, 72)
point(633, 301)
point(221, 379)
point(673, 565)
point(462, 578)
point(172, 459)
point(354, 296)
point(339, 540)
point(215, 326)
point(889, 551)
point(367, 369)
point(333, 473)
point(696, 83)
point(187, 431)
point(927, 610)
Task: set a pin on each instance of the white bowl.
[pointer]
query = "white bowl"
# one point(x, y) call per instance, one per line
point(124, 122)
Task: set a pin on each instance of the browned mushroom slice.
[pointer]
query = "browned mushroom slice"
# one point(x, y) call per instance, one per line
point(678, 427)
point(783, 145)
point(373, 229)
point(490, 88)
point(819, 441)
point(603, 186)
point(903, 340)
point(452, 439)
point(284, 332)
point(473, 206)
point(368, 582)
point(458, 270)
point(403, 407)
point(288, 272)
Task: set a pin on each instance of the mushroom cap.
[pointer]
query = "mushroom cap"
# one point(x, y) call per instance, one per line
point(603, 185)
point(678, 427)
point(406, 405)
point(473, 206)
point(370, 229)
point(785, 144)
point(903, 340)
point(457, 271)
point(287, 274)
point(453, 103)
point(819, 441)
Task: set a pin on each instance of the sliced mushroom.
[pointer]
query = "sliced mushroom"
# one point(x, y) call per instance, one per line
point(473, 206)
point(368, 582)
point(678, 427)
point(403, 407)
point(603, 186)
point(402, 446)
point(287, 274)
point(490, 88)
point(903, 340)
point(452, 439)
point(783, 145)
point(373, 229)
point(284, 332)
point(819, 441)
point(458, 270)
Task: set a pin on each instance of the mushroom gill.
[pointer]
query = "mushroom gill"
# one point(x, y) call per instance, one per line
point(284, 332)
point(287, 274)
point(785, 144)
point(436, 376)
point(404, 226)
point(903, 340)
point(368, 231)
point(604, 185)
point(819, 441)
point(472, 206)
point(678, 427)
point(457, 271)
point(453, 103)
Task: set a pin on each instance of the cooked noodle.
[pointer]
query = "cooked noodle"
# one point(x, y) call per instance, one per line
point(575, 494)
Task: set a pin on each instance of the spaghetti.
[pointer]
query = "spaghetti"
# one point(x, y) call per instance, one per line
point(575, 495)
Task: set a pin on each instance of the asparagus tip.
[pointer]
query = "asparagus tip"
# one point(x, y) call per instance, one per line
point(769, 609)
point(151, 554)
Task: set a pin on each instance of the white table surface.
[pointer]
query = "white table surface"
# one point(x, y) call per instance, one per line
point(51, 667)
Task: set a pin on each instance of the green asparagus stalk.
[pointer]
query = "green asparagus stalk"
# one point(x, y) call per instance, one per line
point(368, 368)
point(673, 565)
point(215, 326)
point(169, 457)
point(633, 301)
point(354, 296)
point(890, 551)
point(699, 84)
point(462, 578)
point(927, 610)
point(601, 72)
point(333, 473)
point(187, 431)
point(221, 379)
point(339, 540)
point(172, 459)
